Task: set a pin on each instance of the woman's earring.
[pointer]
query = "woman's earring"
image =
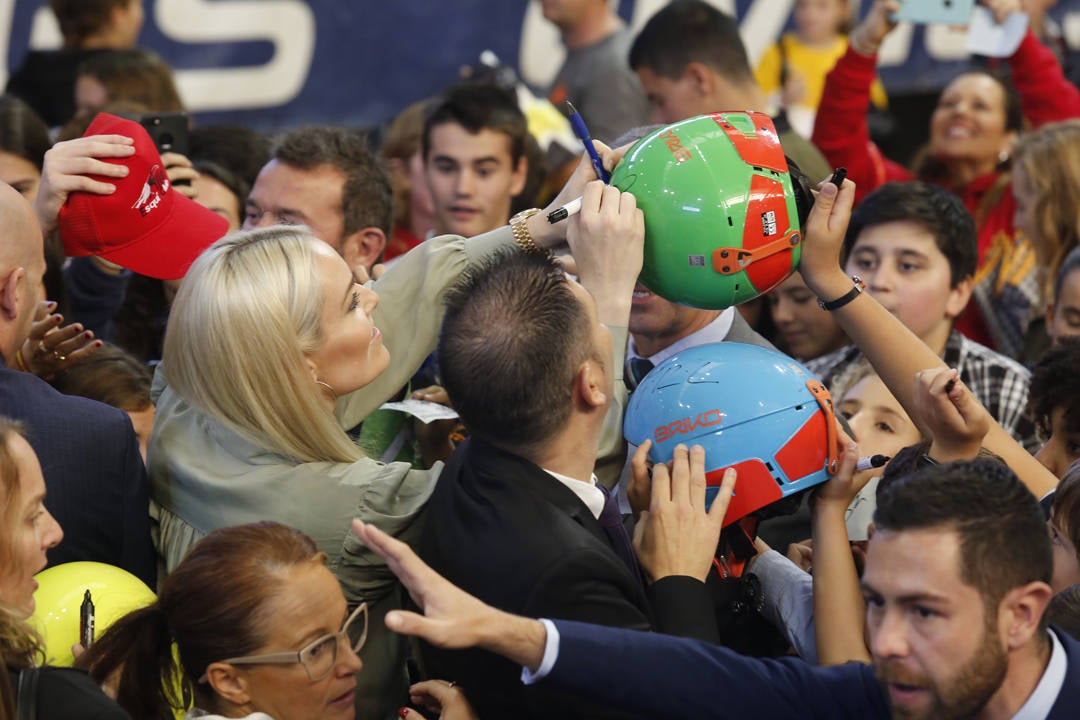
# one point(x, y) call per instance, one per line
point(1003, 157)
point(327, 386)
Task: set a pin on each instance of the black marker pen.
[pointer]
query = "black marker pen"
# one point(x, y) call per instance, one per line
point(86, 621)
point(838, 176)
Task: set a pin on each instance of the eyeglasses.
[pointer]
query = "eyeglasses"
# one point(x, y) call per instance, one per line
point(318, 657)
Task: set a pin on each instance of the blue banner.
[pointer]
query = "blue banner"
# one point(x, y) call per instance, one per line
point(279, 63)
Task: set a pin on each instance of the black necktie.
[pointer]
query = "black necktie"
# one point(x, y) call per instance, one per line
point(635, 371)
point(612, 522)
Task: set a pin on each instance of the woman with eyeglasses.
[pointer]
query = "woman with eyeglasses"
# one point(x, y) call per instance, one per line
point(261, 629)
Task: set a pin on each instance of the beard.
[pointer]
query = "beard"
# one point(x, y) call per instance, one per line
point(963, 694)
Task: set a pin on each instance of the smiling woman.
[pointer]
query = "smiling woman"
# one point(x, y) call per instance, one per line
point(973, 133)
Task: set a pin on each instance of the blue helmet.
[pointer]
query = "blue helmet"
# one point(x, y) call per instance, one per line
point(751, 408)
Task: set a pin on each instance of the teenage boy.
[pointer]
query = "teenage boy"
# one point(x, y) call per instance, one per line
point(914, 247)
point(474, 158)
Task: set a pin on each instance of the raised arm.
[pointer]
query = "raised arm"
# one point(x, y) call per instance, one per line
point(839, 609)
point(896, 353)
point(1046, 95)
point(841, 131)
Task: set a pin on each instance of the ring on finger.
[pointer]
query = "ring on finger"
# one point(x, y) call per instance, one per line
point(58, 356)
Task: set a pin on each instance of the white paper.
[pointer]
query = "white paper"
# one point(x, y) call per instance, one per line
point(422, 410)
point(986, 37)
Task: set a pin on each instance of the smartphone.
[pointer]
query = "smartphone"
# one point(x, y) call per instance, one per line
point(168, 130)
point(927, 12)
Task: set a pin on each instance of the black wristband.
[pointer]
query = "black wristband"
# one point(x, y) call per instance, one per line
point(845, 298)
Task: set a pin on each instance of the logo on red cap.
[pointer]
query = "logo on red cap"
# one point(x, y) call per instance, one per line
point(154, 189)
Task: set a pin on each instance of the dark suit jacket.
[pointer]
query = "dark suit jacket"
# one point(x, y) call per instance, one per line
point(95, 479)
point(665, 677)
point(509, 533)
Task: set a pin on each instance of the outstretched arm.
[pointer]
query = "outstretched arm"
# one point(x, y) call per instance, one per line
point(841, 131)
point(896, 353)
point(451, 617)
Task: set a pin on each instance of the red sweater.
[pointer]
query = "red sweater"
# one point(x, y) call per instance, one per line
point(843, 136)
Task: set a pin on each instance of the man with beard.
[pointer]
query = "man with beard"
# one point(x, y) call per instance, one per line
point(956, 583)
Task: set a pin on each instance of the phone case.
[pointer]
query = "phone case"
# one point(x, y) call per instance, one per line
point(926, 12)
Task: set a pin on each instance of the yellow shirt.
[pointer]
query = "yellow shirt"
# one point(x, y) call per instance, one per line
point(812, 65)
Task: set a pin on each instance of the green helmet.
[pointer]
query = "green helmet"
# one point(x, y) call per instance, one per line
point(721, 206)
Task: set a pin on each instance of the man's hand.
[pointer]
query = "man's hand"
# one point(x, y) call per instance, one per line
point(951, 415)
point(452, 618)
point(67, 166)
point(607, 240)
point(676, 536)
point(867, 37)
point(50, 349)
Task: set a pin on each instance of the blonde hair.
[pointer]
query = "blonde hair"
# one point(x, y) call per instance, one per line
point(20, 646)
point(246, 315)
point(1050, 158)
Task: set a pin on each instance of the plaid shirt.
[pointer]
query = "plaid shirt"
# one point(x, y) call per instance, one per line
point(998, 382)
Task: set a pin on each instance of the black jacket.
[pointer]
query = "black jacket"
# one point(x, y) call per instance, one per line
point(509, 533)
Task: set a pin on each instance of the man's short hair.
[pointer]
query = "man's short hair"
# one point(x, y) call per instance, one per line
point(686, 31)
point(512, 340)
point(934, 209)
point(366, 199)
point(79, 19)
point(1055, 383)
point(1002, 530)
point(478, 106)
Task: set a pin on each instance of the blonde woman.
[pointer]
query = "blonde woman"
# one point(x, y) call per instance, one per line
point(273, 350)
point(1046, 186)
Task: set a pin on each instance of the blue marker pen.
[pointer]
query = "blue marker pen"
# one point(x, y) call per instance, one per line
point(583, 134)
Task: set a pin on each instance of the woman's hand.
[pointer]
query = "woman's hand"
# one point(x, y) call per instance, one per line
point(50, 349)
point(67, 167)
point(867, 37)
point(445, 699)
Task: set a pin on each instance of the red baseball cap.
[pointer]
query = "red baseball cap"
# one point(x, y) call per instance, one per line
point(144, 225)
